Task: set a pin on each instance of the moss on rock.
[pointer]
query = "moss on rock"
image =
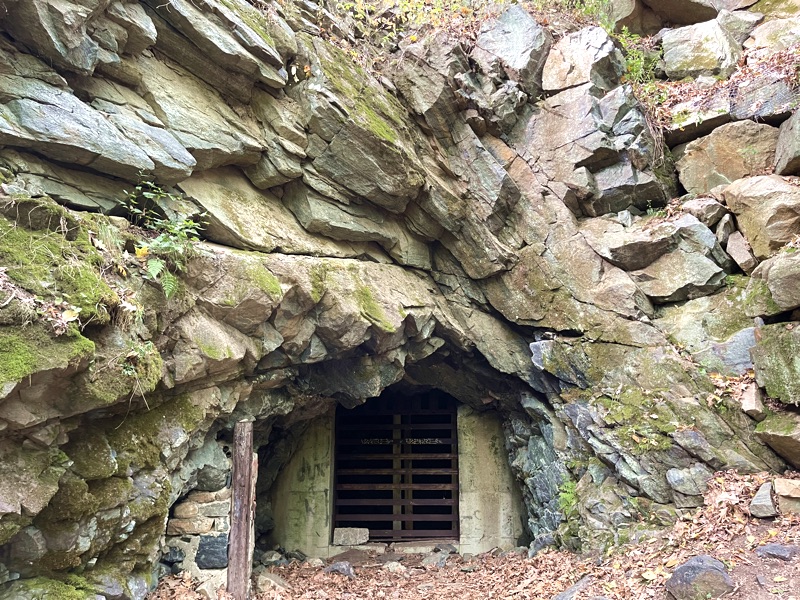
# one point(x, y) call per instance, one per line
point(41, 588)
point(26, 350)
point(138, 439)
point(56, 266)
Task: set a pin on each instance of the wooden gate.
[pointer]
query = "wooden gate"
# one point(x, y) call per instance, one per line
point(396, 468)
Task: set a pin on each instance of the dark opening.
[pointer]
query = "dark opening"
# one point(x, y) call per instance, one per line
point(396, 467)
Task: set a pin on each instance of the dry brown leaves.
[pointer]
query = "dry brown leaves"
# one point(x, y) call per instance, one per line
point(722, 528)
point(782, 65)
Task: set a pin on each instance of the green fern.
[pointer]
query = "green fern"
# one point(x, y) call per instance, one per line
point(155, 267)
point(169, 283)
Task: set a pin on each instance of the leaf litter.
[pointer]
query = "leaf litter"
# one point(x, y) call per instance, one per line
point(722, 527)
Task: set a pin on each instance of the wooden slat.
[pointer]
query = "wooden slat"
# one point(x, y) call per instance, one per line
point(393, 471)
point(393, 518)
point(395, 502)
point(403, 456)
point(400, 442)
point(396, 486)
point(357, 427)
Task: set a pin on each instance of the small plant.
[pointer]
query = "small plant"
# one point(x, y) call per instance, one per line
point(568, 496)
point(168, 252)
point(640, 57)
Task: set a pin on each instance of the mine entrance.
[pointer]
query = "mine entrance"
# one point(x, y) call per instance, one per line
point(396, 468)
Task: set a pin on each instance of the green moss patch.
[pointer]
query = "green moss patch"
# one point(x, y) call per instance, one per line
point(138, 439)
point(371, 310)
point(642, 423)
point(264, 279)
point(57, 266)
point(31, 349)
point(41, 588)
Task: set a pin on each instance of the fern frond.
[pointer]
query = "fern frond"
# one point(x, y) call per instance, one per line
point(169, 283)
point(155, 266)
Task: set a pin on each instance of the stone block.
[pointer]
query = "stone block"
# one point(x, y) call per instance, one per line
point(740, 252)
point(184, 510)
point(761, 506)
point(266, 583)
point(350, 536)
point(752, 402)
point(212, 553)
point(787, 487)
point(194, 526)
point(218, 508)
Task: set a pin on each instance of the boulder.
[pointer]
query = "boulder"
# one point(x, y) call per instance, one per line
point(739, 24)
point(699, 578)
point(787, 492)
point(777, 361)
point(725, 229)
point(696, 117)
point(702, 49)
point(779, 551)
point(514, 46)
point(787, 153)
point(678, 276)
point(586, 56)
point(773, 35)
point(767, 209)
point(713, 329)
point(781, 275)
point(777, 9)
point(635, 15)
point(629, 248)
point(730, 152)
point(781, 432)
point(740, 251)
point(707, 210)
point(684, 12)
point(751, 399)
point(762, 506)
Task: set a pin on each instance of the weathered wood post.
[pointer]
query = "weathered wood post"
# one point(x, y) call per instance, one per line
point(243, 491)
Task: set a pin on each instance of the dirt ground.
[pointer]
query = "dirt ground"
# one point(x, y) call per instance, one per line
point(722, 528)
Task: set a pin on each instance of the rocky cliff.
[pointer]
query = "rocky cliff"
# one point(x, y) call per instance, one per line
point(496, 218)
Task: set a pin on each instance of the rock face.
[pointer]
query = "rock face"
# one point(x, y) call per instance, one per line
point(495, 222)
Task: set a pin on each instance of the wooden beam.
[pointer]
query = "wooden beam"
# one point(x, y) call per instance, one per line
point(241, 540)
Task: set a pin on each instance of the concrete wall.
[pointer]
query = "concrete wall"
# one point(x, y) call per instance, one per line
point(490, 505)
point(302, 497)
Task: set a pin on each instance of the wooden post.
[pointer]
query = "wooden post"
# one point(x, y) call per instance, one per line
point(241, 539)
